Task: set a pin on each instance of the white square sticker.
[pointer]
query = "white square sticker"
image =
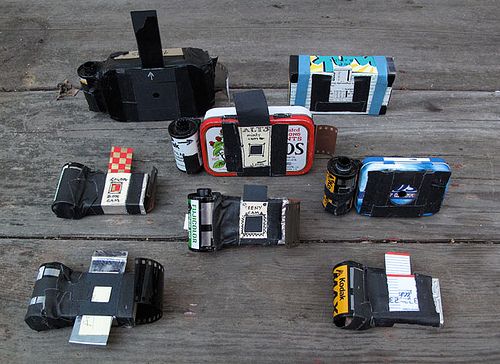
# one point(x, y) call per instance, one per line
point(101, 294)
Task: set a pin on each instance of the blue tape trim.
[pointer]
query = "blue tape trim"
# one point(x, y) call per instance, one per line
point(380, 86)
point(302, 80)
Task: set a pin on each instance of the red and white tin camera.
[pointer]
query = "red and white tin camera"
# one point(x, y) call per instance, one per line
point(253, 139)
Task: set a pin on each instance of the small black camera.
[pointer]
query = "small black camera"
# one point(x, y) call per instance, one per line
point(152, 83)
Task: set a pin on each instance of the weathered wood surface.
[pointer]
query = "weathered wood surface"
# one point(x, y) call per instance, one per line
point(258, 304)
point(40, 134)
point(261, 304)
point(444, 45)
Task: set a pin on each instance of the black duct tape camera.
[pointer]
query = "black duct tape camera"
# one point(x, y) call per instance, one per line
point(151, 84)
point(92, 301)
point(366, 297)
point(82, 191)
point(215, 220)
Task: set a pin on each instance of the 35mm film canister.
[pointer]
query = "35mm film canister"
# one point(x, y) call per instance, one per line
point(340, 184)
point(200, 220)
point(186, 144)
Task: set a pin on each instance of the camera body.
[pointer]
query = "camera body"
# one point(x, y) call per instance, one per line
point(252, 139)
point(151, 83)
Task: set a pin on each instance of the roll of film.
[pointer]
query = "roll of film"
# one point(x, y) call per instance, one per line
point(186, 144)
point(340, 184)
point(200, 220)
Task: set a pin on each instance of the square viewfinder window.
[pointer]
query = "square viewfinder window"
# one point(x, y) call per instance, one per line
point(253, 224)
point(257, 149)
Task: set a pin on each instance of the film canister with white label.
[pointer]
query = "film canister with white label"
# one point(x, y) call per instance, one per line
point(200, 219)
point(186, 144)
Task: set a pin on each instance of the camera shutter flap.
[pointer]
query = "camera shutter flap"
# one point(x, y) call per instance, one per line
point(147, 34)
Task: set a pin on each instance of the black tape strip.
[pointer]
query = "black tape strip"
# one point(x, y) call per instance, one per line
point(81, 295)
point(320, 94)
point(68, 295)
point(431, 189)
point(134, 193)
point(232, 147)
point(257, 193)
point(320, 90)
point(255, 171)
point(361, 93)
point(251, 108)
point(274, 215)
point(186, 99)
point(192, 163)
point(148, 38)
point(391, 71)
point(293, 69)
point(279, 146)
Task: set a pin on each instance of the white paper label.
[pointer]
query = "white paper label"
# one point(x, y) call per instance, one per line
point(256, 146)
point(342, 85)
point(400, 282)
point(193, 224)
point(95, 325)
point(101, 294)
point(402, 293)
point(253, 220)
point(397, 263)
point(185, 147)
point(296, 159)
point(114, 196)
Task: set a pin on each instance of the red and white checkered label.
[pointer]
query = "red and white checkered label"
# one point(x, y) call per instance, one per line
point(120, 160)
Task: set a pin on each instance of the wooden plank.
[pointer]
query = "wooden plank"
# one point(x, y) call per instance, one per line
point(261, 304)
point(39, 135)
point(435, 46)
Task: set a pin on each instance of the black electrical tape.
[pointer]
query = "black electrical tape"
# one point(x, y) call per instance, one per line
point(251, 108)
point(431, 187)
point(80, 190)
point(61, 294)
point(214, 220)
point(361, 299)
point(152, 86)
point(340, 185)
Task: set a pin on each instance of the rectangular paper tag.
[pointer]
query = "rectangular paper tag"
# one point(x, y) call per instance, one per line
point(114, 196)
point(402, 293)
point(400, 282)
point(256, 146)
point(253, 220)
point(397, 263)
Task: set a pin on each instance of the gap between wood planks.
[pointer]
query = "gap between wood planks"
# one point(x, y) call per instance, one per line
point(239, 87)
point(180, 239)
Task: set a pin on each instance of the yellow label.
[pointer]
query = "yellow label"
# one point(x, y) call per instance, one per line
point(330, 181)
point(340, 290)
point(326, 201)
point(83, 81)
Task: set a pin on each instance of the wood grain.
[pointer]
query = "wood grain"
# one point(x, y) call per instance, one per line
point(445, 45)
point(40, 134)
point(261, 304)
